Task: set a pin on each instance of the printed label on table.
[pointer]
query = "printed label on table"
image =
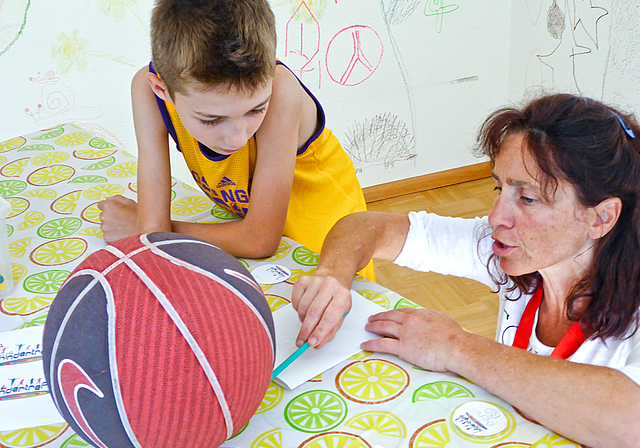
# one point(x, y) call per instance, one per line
point(270, 274)
point(479, 418)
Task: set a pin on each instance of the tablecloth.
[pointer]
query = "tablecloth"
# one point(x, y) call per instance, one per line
point(53, 180)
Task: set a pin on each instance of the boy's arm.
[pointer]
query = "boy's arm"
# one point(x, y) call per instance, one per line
point(259, 233)
point(120, 216)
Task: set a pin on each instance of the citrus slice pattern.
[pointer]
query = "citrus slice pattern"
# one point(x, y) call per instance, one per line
point(269, 439)
point(35, 322)
point(360, 355)
point(382, 422)
point(3, 160)
point(102, 164)
point(272, 398)
point(188, 187)
point(297, 273)
point(372, 381)
point(57, 252)
point(73, 139)
point(31, 437)
point(90, 179)
point(283, 250)
point(125, 169)
point(133, 186)
point(49, 158)
point(31, 219)
point(12, 143)
point(511, 426)
point(512, 445)
point(18, 248)
point(14, 168)
point(555, 441)
point(91, 213)
point(37, 147)
point(315, 411)
point(92, 231)
point(18, 271)
point(405, 303)
point(50, 175)
point(191, 205)
point(18, 206)
point(224, 214)
point(275, 301)
point(53, 133)
point(9, 230)
point(42, 193)
point(59, 227)
point(441, 389)
point(100, 143)
point(335, 439)
point(305, 257)
point(103, 191)
point(11, 187)
point(66, 204)
point(376, 297)
point(74, 442)
point(24, 306)
point(93, 154)
point(432, 435)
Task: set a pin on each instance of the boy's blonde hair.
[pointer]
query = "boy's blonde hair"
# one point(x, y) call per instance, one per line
point(213, 42)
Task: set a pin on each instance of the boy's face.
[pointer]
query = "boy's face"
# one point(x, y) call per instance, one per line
point(222, 118)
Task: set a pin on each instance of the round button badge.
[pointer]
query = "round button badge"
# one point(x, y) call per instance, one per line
point(479, 419)
point(270, 274)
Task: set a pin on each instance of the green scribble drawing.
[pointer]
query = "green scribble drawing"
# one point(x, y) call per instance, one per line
point(316, 7)
point(71, 51)
point(439, 9)
point(118, 8)
point(13, 17)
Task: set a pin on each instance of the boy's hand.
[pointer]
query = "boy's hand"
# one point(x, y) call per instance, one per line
point(118, 218)
point(321, 302)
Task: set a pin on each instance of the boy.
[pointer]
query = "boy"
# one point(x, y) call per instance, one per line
point(252, 135)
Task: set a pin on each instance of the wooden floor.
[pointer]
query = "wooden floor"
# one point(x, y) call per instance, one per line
point(471, 304)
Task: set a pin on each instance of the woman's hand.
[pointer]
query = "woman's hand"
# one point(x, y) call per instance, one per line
point(422, 337)
point(321, 303)
point(118, 218)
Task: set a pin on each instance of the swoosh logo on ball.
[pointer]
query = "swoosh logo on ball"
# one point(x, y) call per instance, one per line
point(72, 378)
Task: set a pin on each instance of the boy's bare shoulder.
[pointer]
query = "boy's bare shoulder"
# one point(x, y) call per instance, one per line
point(286, 87)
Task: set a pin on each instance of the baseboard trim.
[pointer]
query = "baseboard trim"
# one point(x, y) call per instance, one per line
point(427, 182)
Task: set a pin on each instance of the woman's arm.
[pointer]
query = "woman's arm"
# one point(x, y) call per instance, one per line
point(322, 299)
point(595, 406)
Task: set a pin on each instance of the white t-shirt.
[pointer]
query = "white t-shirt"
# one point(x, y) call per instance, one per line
point(461, 247)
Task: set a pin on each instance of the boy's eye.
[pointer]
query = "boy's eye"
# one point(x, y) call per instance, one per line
point(210, 122)
point(258, 111)
point(527, 200)
point(498, 189)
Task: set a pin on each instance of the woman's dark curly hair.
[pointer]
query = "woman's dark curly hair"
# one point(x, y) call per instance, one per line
point(597, 150)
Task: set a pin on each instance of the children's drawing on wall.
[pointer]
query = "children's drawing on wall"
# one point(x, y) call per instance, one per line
point(57, 103)
point(438, 9)
point(72, 51)
point(302, 44)
point(118, 9)
point(383, 140)
point(13, 17)
point(350, 68)
point(574, 58)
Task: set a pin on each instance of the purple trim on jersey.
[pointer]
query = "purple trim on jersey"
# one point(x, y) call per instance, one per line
point(208, 153)
point(321, 115)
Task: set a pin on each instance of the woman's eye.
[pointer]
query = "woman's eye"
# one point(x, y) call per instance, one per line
point(527, 200)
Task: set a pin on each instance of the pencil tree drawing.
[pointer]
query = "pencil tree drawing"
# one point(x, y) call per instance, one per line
point(383, 140)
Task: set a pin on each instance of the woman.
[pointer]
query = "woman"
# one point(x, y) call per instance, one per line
point(562, 247)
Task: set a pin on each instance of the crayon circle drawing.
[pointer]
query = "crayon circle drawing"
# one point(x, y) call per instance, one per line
point(350, 68)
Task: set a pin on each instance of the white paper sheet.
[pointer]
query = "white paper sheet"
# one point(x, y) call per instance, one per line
point(25, 400)
point(314, 362)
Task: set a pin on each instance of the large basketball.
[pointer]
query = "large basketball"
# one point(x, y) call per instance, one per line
point(159, 340)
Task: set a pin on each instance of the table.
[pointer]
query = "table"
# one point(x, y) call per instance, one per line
point(53, 180)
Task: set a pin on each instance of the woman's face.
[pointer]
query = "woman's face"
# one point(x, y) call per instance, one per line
point(533, 232)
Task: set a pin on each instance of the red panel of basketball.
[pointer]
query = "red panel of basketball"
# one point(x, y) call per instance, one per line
point(191, 350)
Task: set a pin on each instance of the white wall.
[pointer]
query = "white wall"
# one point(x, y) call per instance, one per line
point(428, 74)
